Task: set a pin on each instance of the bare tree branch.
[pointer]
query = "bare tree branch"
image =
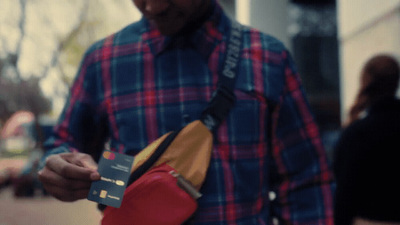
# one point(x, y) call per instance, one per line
point(63, 43)
point(21, 25)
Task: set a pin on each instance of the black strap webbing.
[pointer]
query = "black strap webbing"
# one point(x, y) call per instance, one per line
point(223, 97)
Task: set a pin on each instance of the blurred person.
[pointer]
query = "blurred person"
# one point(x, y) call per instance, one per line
point(367, 153)
point(4, 178)
point(157, 75)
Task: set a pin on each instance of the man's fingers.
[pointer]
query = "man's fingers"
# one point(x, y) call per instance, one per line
point(83, 160)
point(89, 163)
point(49, 177)
point(62, 188)
point(65, 194)
point(68, 176)
point(66, 169)
point(80, 159)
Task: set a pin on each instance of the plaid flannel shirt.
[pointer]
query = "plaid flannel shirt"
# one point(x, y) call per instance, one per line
point(268, 162)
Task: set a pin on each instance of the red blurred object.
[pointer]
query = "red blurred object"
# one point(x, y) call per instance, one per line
point(155, 198)
point(13, 125)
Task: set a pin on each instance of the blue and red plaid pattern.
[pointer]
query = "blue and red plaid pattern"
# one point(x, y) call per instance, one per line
point(139, 85)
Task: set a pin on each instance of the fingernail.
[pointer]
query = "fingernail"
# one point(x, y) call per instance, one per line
point(92, 167)
point(95, 176)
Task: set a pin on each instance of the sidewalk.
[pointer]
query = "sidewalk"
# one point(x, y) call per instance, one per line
point(45, 211)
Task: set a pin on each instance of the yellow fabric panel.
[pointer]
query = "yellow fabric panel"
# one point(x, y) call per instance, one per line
point(190, 152)
point(143, 155)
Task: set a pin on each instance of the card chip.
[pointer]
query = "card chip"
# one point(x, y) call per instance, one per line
point(103, 194)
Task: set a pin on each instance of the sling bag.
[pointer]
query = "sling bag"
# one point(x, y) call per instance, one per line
point(167, 175)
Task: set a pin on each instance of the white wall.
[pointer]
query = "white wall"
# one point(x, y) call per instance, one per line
point(366, 28)
point(354, 15)
point(269, 16)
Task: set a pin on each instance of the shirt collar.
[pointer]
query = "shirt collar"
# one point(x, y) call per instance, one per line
point(203, 40)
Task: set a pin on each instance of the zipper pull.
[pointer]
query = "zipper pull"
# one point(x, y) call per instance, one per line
point(186, 185)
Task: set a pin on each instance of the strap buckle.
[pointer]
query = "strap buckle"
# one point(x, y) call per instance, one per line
point(218, 108)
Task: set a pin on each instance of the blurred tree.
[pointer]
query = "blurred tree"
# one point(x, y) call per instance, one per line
point(42, 43)
point(21, 91)
point(23, 95)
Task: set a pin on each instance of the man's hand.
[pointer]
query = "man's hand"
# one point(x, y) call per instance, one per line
point(68, 176)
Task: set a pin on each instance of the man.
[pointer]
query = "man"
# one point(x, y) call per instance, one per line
point(156, 75)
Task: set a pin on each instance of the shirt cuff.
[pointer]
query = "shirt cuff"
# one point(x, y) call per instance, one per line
point(55, 151)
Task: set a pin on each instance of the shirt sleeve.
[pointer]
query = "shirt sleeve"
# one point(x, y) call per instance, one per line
point(301, 175)
point(82, 125)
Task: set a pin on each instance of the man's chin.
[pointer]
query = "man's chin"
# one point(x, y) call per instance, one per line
point(167, 29)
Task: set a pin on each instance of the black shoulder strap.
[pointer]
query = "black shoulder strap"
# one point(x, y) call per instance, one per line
point(223, 97)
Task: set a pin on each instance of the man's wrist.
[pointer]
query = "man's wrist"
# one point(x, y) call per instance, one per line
point(55, 151)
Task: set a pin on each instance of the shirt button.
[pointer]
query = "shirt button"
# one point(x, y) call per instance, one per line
point(271, 195)
point(275, 221)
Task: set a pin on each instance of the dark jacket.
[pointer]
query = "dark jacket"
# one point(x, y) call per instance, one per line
point(367, 166)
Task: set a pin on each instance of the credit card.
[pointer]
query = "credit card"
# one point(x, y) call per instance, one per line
point(114, 169)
